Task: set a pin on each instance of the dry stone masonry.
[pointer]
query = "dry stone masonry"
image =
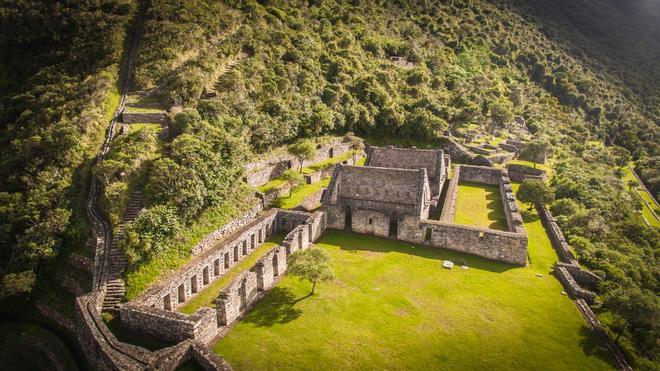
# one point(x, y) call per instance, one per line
point(153, 313)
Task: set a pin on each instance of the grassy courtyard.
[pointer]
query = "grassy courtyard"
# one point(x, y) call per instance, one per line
point(480, 205)
point(392, 306)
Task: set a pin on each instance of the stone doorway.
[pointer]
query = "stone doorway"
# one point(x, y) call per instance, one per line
point(242, 294)
point(348, 219)
point(276, 271)
point(394, 226)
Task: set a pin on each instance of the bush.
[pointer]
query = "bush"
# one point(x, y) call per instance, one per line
point(148, 234)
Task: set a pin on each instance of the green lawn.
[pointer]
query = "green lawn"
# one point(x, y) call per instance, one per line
point(205, 297)
point(139, 126)
point(480, 205)
point(392, 306)
point(299, 194)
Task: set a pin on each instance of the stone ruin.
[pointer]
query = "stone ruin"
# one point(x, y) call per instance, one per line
point(396, 198)
point(154, 313)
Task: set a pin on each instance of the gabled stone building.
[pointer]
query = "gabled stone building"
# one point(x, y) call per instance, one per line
point(373, 199)
point(433, 160)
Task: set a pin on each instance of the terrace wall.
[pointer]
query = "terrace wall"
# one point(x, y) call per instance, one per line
point(261, 172)
point(144, 117)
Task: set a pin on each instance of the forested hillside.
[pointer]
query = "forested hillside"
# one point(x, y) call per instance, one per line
point(58, 77)
point(243, 77)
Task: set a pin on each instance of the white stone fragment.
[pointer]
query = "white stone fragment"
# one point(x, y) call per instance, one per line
point(447, 264)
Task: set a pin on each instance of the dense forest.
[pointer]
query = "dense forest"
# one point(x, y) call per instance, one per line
point(241, 78)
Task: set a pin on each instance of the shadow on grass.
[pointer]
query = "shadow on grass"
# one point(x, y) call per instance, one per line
point(593, 346)
point(350, 241)
point(278, 307)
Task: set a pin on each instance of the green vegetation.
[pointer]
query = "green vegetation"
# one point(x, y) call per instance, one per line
point(57, 89)
point(205, 297)
point(178, 247)
point(649, 204)
point(21, 346)
point(312, 264)
point(535, 192)
point(396, 296)
point(479, 205)
point(299, 194)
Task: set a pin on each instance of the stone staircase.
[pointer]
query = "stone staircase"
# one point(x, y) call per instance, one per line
point(211, 91)
point(117, 259)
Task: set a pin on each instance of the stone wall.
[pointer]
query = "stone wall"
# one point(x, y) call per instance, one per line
point(248, 288)
point(478, 174)
point(518, 173)
point(152, 313)
point(167, 325)
point(212, 263)
point(573, 289)
point(411, 158)
point(556, 237)
point(313, 201)
point(371, 222)
point(144, 117)
point(449, 207)
point(497, 245)
point(260, 172)
point(583, 277)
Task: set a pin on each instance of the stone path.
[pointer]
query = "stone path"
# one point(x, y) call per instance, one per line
point(117, 259)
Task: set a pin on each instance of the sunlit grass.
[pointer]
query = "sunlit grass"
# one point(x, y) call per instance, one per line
point(479, 205)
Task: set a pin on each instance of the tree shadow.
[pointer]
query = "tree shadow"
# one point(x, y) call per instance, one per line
point(593, 346)
point(277, 307)
point(360, 242)
point(529, 216)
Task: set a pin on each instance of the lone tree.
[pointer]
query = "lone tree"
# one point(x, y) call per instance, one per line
point(355, 144)
point(292, 179)
point(305, 150)
point(536, 150)
point(312, 264)
point(632, 183)
point(536, 192)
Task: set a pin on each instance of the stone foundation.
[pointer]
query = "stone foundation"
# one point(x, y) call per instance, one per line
point(518, 173)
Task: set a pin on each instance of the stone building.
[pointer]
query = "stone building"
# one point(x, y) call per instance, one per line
point(433, 160)
point(394, 194)
point(375, 199)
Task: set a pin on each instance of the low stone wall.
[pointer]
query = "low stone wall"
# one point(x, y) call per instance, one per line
point(583, 277)
point(313, 201)
point(260, 172)
point(478, 174)
point(449, 206)
point(518, 173)
point(492, 244)
point(170, 326)
point(144, 117)
point(573, 289)
point(556, 237)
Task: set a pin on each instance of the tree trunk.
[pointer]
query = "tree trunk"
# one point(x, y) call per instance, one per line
point(534, 164)
point(313, 286)
point(353, 157)
point(620, 332)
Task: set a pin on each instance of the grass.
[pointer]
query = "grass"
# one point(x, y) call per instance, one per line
point(392, 306)
point(641, 192)
point(206, 296)
point(139, 278)
point(480, 205)
point(139, 126)
point(300, 193)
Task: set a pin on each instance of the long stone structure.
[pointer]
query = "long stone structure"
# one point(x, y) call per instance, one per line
point(153, 313)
